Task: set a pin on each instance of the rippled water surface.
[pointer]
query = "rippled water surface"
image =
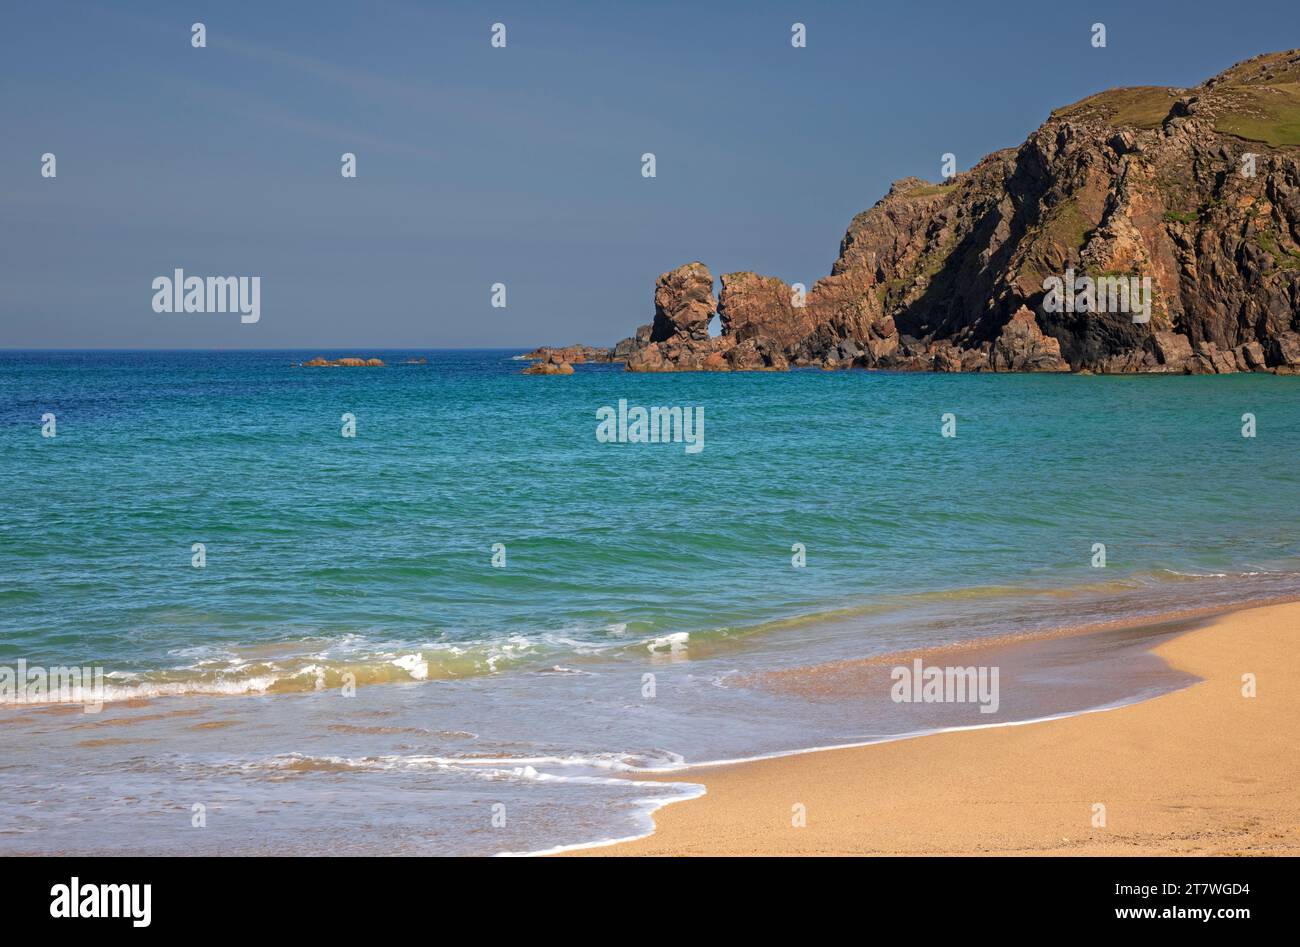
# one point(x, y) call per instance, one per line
point(369, 559)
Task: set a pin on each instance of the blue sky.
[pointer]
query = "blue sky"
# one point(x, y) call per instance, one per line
point(518, 165)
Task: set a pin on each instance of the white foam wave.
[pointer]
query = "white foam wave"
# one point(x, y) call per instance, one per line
point(675, 643)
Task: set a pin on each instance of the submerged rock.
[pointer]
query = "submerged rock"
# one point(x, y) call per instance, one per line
point(549, 368)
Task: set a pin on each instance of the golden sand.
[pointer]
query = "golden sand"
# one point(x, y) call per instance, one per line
point(1205, 770)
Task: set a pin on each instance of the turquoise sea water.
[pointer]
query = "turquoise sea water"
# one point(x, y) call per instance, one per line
point(370, 558)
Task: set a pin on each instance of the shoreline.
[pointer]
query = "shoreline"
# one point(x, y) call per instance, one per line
point(143, 693)
point(699, 790)
point(744, 806)
point(1094, 658)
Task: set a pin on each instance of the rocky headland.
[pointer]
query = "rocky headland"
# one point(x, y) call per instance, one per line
point(1194, 191)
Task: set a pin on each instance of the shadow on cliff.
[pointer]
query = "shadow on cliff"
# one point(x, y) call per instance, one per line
point(961, 298)
point(972, 301)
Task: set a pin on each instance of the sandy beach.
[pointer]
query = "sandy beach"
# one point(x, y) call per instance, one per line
point(1205, 770)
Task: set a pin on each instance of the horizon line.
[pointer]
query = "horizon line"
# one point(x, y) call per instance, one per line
point(331, 348)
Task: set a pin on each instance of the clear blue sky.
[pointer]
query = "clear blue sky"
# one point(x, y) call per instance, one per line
point(518, 165)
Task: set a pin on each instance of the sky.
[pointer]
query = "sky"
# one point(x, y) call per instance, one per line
point(519, 165)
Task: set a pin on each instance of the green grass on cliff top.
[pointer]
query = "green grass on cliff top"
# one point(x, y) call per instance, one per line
point(1138, 107)
point(1265, 113)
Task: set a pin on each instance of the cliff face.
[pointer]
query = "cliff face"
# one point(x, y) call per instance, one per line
point(1188, 198)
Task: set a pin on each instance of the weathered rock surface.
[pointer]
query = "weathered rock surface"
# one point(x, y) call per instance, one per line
point(1196, 190)
point(1022, 347)
point(553, 364)
point(684, 304)
point(679, 340)
point(573, 354)
point(347, 362)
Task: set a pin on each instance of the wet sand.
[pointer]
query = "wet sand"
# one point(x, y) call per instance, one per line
point(1203, 770)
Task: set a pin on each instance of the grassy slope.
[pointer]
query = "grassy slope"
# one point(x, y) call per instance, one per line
point(1258, 100)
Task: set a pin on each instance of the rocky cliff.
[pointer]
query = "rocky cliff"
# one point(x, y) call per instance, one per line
point(1139, 230)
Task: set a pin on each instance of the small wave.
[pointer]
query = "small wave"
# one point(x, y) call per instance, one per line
point(413, 665)
point(675, 643)
point(300, 667)
point(320, 663)
point(115, 693)
point(591, 769)
point(1220, 575)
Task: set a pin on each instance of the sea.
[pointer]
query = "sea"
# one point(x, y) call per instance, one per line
point(424, 609)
